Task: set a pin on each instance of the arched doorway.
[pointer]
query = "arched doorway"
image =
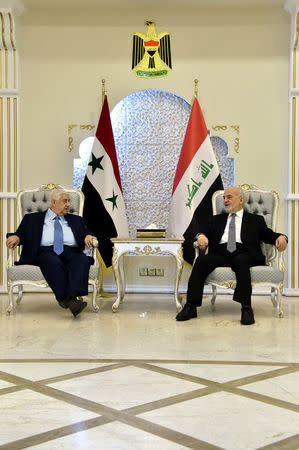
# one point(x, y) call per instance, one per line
point(149, 128)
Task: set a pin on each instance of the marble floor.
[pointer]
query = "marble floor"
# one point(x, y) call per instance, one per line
point(137, 379)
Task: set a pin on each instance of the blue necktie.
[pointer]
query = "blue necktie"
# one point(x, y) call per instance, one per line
point(58, 236)
point(231, 243)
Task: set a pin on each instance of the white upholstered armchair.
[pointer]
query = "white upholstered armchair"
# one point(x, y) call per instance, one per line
point(37, 200)
point(265, 203)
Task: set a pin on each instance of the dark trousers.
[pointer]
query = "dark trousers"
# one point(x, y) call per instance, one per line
point(67, 273)
point(239, 261)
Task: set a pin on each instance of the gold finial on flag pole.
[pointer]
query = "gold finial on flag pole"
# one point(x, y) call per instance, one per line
point(103, 90)
point(196, 88)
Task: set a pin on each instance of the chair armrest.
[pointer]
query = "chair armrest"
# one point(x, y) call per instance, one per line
point(198, 251)
point(277, 261)
point(95, 243)
point(10, 260)
point(196, 248)
point(280, 261)
point(13, 255)
point(93, 251)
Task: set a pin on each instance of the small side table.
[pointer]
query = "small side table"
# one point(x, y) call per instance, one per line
point(145, 246)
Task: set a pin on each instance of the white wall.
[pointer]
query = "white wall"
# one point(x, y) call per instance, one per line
point(240, 55)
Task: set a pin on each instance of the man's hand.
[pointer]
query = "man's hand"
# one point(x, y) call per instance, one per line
point(12, 241)
point(88, 240)
point(281, 243)
point(202, 241)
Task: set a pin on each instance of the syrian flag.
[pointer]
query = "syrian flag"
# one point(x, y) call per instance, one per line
point(104, 207)
point(197, 178)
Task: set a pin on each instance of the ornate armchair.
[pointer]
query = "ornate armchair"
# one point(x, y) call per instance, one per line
point(265, 203)
point(33, 200)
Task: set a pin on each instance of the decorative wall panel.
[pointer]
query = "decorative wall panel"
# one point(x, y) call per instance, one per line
point(9, 134)
point(149, 127)
point(293, 195)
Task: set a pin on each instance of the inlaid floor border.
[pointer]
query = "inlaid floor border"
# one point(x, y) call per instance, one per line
point(129, 416)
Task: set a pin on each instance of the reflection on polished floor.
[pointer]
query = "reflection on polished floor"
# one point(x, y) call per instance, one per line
point(138, 379)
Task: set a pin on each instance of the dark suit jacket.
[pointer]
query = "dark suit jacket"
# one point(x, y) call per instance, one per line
point(30, 234)
point(253, 231)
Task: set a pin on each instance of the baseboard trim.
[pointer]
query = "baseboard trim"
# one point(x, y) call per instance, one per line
point(141, 289)
point(291, 292)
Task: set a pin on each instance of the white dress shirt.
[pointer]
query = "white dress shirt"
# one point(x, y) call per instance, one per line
point(238, 222)
point(48, 231)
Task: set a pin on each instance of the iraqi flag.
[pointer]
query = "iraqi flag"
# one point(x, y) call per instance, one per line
point(104, 207)
point(197, 178)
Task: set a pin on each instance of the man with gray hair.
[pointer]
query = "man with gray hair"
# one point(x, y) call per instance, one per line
point(234, 240)
point(54, 240)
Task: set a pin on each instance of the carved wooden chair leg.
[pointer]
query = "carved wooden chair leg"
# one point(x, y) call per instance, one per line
point(214, 291)
point(20, 294)
point(279, 301)
point(10, 303)
point(94, 296)
point(274, 296)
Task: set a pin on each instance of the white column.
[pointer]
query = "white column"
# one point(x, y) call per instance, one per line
point(9, 129)
point(293, 192)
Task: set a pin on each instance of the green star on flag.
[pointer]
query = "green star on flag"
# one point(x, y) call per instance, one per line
point(95, 163)
point(100, 219)
point(113, 200)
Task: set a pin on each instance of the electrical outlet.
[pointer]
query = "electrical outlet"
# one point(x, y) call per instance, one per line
point(143, 272)
point(160, 272)
point(151, 272)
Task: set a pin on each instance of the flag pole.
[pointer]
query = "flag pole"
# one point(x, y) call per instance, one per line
point(103, 90)
point(101, 290)
point(196, 88)
point(201, 252)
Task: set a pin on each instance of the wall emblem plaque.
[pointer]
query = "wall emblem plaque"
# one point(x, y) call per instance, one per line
point(151, 53)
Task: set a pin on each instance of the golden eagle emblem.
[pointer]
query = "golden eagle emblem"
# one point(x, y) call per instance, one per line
point(151, 52)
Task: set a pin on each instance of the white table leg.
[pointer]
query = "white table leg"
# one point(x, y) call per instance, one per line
point(179, 264)
point(122, 278)
point(115, 266)
point(145, 247)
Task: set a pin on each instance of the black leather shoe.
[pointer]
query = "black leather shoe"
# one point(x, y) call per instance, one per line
point(63, 305)
point(247, 317)
point(64, 301)
point(187, 313)
point(76, 306)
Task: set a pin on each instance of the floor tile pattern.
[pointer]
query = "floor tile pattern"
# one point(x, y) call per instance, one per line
point(148, 404)
point(140, 380)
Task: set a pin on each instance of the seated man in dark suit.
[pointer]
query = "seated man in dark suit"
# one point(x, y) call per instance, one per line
point(234, 239)
point(54, 240)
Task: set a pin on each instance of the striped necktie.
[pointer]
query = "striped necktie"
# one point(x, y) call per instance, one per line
point(58, 236)
point(231, 243)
